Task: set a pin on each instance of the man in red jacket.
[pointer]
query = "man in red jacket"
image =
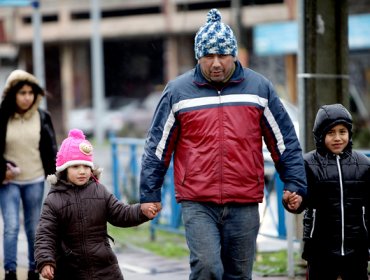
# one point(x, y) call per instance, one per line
point(213, 120)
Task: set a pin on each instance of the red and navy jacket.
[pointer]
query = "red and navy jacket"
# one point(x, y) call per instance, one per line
point(215, 137)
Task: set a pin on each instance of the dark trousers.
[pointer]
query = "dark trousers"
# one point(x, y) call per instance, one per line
point(350, 267)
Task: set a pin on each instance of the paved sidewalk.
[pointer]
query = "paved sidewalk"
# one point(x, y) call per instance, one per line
point(137, 264)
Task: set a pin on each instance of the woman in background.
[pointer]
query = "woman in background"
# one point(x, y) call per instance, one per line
point(27, 155)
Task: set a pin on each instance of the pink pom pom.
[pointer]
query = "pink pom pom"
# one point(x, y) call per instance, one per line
point(76, 133)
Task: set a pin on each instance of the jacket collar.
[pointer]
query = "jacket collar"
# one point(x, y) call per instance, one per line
point(327, 154)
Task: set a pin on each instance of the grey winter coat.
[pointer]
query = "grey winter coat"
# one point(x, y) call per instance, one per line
point(72, 232)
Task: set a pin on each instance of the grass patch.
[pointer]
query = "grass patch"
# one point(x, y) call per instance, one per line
point(276, 263)
point(172, 245)
point(167, 244)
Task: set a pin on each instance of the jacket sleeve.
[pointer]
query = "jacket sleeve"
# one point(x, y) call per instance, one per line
point(46, 237)
point(48, 145)
point(282, 142)
point(123, 215)
point(158, 150)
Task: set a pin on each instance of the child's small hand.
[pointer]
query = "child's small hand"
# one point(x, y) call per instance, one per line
point(151, 209)
point(47, 272)
point(292, 200)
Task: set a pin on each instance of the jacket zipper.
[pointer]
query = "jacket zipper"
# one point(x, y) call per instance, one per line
point(221, 142)
point(81, 217)
point(363, 217)
point(341, 202)
point(313, 222)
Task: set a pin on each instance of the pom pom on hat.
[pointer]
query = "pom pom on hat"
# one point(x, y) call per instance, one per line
point(215, 37)
point(75, 150)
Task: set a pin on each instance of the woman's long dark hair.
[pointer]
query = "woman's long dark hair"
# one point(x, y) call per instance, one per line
point(8, 105)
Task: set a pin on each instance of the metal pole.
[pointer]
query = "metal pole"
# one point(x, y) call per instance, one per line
point(290, 252)
point(301, 69)
point(97, 71)
point(322, 60)
point(38, 49)
point(236, 20)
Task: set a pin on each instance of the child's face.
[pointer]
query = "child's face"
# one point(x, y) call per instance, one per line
point(337, 139)
point(79, 174)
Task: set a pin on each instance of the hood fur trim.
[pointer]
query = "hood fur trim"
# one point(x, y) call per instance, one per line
point(97, 172)
point(17, 76)
point(52, 179)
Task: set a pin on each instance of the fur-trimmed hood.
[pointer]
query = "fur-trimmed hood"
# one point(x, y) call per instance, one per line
point(17, 76)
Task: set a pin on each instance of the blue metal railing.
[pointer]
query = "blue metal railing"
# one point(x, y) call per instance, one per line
point(126, 159)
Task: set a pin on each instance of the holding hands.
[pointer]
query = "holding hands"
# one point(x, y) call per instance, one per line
point(292, 200)
point(47, 272)
point(151, 209)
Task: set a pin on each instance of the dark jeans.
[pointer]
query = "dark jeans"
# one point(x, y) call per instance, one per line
point(11, 196)
point(221, 240)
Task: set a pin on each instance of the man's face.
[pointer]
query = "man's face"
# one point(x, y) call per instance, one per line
point(217, 67)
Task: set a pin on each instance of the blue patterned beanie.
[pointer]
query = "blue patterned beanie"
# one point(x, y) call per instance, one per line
point(215, 37)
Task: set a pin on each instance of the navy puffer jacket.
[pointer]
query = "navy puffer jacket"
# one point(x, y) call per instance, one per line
point(336, 220)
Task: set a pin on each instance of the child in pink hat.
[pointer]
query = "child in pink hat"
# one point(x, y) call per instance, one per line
point(71, 239)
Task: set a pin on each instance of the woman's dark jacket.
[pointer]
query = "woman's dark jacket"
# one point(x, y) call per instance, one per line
point(72, 232)
point(48, 146)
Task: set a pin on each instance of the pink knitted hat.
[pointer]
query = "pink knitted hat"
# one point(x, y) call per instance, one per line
point(75, 150)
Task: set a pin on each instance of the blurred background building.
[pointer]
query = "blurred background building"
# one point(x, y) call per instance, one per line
point(147, 42)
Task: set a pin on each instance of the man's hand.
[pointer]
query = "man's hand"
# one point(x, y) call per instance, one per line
point(292, 200)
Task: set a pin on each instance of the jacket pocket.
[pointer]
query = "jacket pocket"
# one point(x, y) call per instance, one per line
point(258, 167)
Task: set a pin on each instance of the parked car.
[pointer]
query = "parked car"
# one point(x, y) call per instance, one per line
point(113, 117)
point(81, 118)
point(138, 123)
